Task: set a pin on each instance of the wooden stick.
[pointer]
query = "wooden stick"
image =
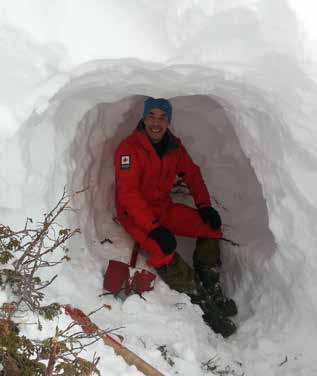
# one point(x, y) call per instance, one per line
point(129, 357)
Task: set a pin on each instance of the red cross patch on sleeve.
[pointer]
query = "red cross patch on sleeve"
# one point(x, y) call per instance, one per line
point(125, 162)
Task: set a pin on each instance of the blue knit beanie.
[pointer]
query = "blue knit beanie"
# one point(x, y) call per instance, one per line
point(160, 103)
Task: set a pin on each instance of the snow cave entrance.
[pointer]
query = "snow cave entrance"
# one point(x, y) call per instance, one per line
point(202, 124)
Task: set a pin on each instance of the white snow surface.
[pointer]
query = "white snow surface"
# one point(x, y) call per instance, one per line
point(241, 77)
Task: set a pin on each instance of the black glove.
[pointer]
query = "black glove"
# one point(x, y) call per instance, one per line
point(164, 238)
point(211, 216)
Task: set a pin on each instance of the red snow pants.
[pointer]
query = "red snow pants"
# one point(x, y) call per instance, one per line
point(180, 220)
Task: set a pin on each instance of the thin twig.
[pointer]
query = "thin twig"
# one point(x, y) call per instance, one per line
point(231, 242)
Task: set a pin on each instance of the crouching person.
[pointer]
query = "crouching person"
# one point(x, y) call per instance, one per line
point(146, 164)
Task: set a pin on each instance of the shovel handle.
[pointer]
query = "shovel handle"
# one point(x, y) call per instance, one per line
point(134, 255)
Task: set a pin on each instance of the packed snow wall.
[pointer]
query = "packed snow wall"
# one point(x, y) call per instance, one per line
point(206, 131)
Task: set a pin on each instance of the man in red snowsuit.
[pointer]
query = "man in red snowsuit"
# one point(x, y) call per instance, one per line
point(146, 165)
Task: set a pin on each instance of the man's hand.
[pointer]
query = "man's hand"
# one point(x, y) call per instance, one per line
point(164, 238)
point(211, 216)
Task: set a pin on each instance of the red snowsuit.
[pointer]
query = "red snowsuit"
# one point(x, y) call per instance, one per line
point(143, 186)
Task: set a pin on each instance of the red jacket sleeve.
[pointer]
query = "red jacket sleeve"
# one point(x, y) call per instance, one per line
point(128, 195)
point(193, 178)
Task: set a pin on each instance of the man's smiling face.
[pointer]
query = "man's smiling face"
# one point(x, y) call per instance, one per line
point(156, 123)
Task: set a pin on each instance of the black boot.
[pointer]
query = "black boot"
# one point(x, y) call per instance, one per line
point(179, 276)
point(216, 320)
point(210, 280)
point(206, 263)
point(213, 315)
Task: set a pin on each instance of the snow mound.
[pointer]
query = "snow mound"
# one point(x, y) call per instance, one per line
point(242, 135)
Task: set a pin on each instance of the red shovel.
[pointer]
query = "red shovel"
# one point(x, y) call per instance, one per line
point(119, 276)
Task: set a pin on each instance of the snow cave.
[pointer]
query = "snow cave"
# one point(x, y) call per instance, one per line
point(241, 76)
point(87, 120)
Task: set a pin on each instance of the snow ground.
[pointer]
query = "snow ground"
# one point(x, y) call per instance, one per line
point(240, 77)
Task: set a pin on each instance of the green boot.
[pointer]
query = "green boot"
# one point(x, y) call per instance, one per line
point(179, 276)
point(206, 263)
